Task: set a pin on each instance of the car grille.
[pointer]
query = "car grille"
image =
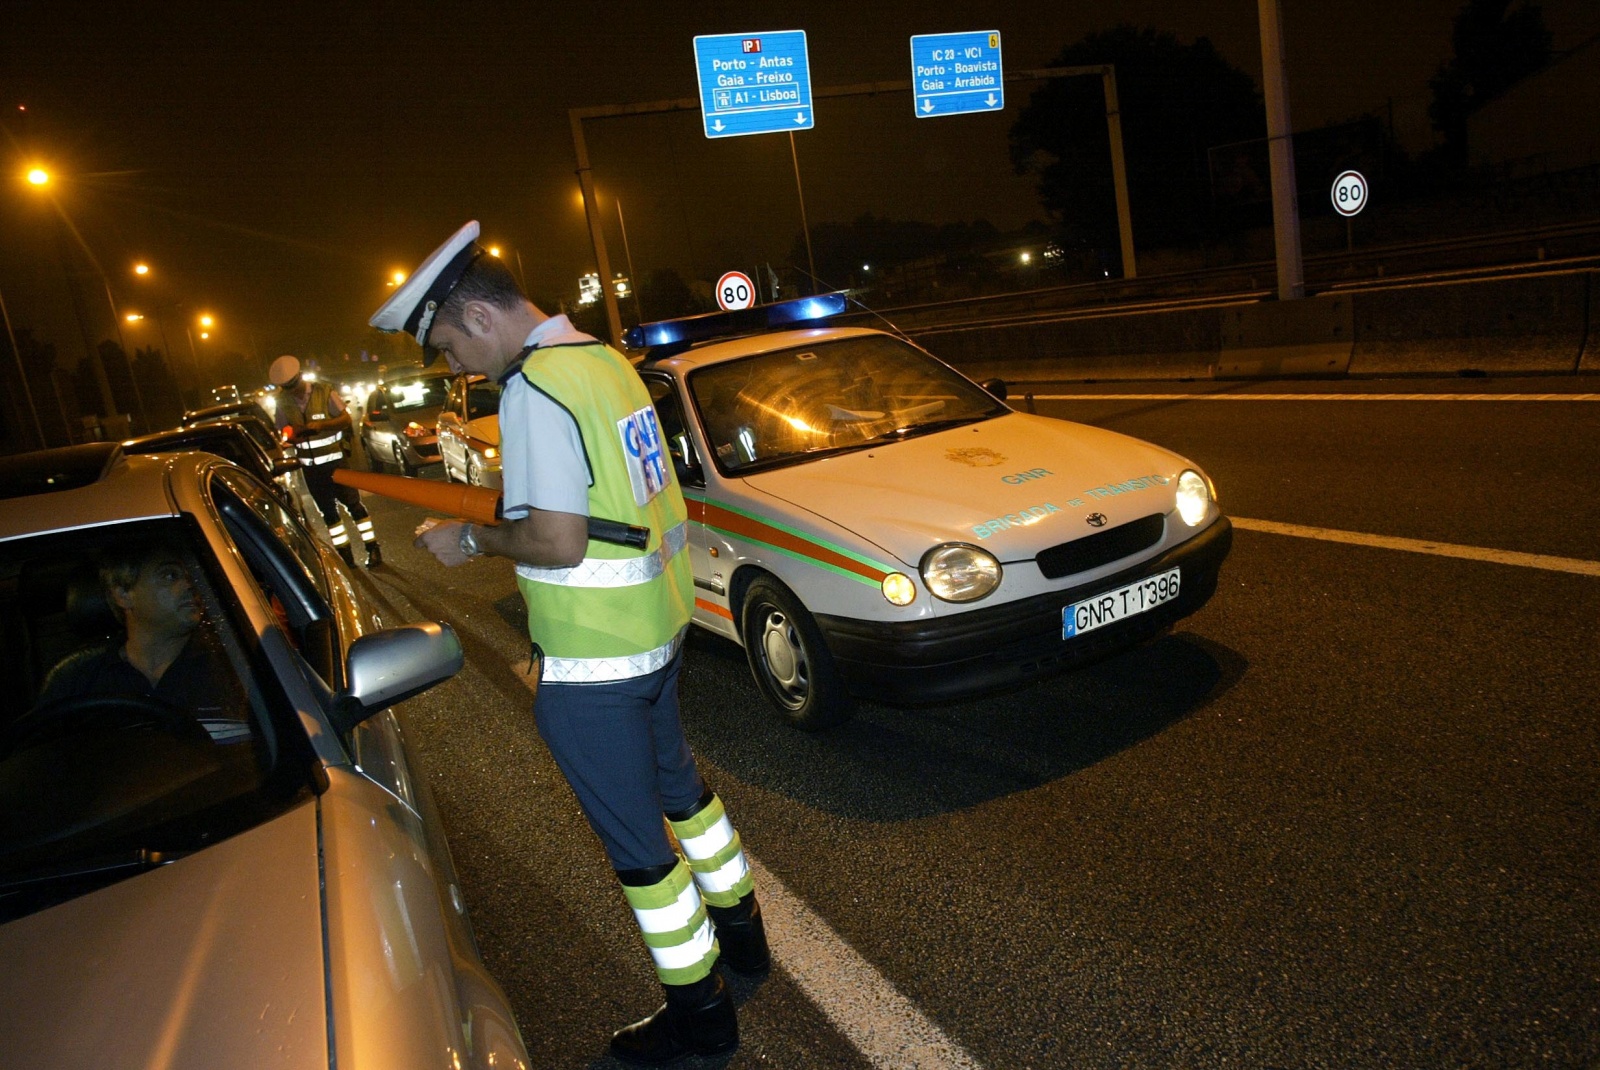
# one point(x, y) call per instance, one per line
point(1102, 547)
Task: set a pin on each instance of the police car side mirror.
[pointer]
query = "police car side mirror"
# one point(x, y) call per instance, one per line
point(996, 387)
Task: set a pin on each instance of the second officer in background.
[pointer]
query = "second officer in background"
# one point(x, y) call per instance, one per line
point(311, 416)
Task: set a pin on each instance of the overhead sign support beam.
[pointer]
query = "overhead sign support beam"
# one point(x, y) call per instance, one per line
point(1119, 170)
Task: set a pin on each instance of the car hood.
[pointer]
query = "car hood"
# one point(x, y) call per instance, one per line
point(214, 960)
point(485, 429)
point(1013, 485)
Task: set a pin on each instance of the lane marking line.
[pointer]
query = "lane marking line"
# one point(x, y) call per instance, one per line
point(1424, 546)
point(1315, 397)
point(883, 1025)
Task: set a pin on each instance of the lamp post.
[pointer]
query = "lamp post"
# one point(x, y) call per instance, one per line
point(42, 179)
point(22, 374)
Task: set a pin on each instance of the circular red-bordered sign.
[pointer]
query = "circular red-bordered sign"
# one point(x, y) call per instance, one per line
point(1349, 193)
point(735, 291)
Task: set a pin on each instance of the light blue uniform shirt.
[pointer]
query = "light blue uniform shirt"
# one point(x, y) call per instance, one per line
point(542, 464)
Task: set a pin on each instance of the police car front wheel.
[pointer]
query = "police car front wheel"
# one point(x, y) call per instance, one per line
point(790, 661)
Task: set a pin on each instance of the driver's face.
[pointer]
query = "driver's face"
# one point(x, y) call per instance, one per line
point(162, 599)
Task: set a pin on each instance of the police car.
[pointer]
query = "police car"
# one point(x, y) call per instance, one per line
point(867, 522)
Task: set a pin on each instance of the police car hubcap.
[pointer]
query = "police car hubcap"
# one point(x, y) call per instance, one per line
point(783, 657)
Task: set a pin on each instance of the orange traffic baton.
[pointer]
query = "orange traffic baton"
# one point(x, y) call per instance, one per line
point(479, 505)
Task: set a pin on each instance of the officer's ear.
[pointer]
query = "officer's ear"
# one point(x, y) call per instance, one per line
point(478, 317)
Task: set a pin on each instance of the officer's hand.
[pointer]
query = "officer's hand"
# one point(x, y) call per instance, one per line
point(442, 539)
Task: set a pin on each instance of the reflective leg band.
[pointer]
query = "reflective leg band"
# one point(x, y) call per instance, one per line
point(338, 535)
point(715, 855)
point(675, 927)
point(365, 527)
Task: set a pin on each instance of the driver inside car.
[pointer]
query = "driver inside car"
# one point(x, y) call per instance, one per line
point(164, 653)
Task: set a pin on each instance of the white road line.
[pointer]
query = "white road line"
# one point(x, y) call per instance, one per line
point(883, 1025)
point(1424, 546)
point(1315, 397)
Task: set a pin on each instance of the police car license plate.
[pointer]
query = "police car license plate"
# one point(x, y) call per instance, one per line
point(1120, 604)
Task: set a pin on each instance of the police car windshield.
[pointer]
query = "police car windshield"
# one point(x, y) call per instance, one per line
point(792, 405)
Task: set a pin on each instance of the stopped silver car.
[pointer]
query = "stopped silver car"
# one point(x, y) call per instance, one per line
point(253, 875)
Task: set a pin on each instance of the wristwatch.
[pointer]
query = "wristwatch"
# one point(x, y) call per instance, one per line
point(469, 542)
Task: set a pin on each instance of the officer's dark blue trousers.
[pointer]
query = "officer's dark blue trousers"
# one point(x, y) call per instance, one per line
point(621, 747)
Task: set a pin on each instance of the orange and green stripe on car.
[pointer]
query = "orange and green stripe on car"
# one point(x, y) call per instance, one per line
point(780, 538)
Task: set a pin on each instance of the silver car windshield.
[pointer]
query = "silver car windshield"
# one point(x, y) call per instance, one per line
point(408, 394)
point(792, 405)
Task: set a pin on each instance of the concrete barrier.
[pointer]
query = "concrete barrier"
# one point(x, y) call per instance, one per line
point(1589, 359)
point(1548, 324)
point(1533, 325)
point(1158, 345)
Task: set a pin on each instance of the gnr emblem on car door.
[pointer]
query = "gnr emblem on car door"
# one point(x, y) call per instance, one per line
point(1096, 520)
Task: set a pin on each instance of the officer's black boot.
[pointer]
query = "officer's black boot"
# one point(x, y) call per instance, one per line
point(374, 555)
point(348, 554)
point(697, 1019)
point(742, 936)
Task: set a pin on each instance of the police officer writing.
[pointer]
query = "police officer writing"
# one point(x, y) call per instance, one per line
point(579, 439)
point(310, 415)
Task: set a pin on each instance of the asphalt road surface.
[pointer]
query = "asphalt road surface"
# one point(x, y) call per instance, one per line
point(1345, 816)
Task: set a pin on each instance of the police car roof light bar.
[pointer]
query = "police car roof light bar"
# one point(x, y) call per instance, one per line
point(679, 334)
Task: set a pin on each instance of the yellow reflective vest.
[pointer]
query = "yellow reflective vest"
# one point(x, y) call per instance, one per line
point(621, 612)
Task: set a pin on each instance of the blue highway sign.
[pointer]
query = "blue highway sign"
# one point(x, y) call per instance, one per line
point(955, 73)
point(754, 83)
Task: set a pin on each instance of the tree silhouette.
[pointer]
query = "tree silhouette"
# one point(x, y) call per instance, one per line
point(1176, 102)
point(1495, 48)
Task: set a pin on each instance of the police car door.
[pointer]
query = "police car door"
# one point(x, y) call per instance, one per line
point(710, 593)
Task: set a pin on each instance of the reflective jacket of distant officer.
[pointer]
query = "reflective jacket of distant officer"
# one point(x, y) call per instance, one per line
point(311, 416)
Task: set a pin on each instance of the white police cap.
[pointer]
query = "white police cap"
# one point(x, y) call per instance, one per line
point(417, 300)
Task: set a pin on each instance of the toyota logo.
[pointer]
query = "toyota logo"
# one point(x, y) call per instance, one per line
point(1096, 520)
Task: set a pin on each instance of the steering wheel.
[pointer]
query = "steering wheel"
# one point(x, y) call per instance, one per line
point(105, 713)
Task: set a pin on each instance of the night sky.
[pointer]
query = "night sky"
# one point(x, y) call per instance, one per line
point(275, 162)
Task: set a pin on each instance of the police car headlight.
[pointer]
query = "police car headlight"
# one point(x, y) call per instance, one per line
point(898, 589)
point(1194, 496)
point(960, 572)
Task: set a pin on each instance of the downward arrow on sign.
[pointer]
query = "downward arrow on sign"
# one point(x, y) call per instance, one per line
point(927, 105)
point(991, 101)
point(800, 117)
point(717, 126)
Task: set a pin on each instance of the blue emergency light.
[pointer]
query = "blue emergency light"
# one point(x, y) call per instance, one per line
point(674, 336)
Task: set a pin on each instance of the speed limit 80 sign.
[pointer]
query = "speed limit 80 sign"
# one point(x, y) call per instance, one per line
point(1349, 193)
point(735, 291)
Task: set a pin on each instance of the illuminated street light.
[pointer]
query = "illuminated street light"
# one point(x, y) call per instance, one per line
point(494, 250)
point(133, 317)
point(141, 268)
point(396, 278)
point(206, 321)
point(39, 176)
point(1027, 258)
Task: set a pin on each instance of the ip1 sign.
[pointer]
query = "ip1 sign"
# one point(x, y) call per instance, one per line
point(735, 291)
point(1349, 193)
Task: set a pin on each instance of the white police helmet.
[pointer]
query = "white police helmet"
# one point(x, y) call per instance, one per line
point(417, 300)
point(284, 370)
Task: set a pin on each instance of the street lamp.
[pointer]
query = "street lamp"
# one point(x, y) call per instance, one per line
point(40, 178)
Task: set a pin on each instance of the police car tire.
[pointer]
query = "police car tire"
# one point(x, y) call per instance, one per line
point(789, 659)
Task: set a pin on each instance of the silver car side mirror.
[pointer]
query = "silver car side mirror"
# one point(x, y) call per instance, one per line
point(393, 665)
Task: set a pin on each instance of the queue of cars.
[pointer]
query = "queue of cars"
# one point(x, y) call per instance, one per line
point(262, 882)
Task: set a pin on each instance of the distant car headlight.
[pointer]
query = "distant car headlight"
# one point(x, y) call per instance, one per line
point(1194, 497)
point(415, 430)
point(490, 454)
point(960, 572)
